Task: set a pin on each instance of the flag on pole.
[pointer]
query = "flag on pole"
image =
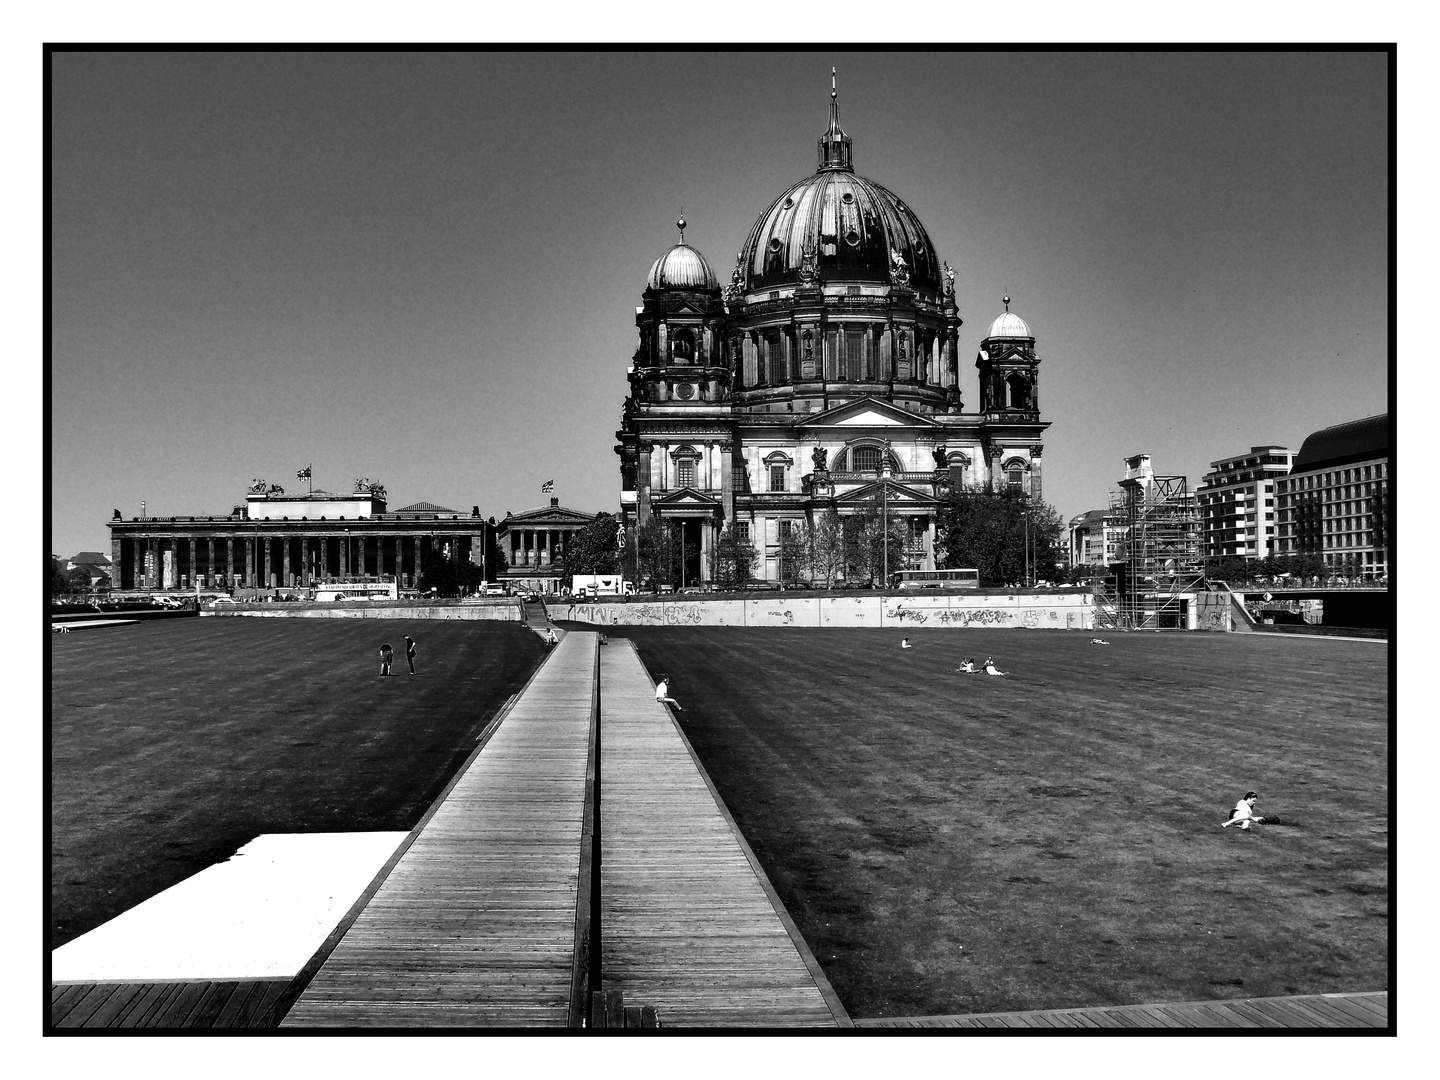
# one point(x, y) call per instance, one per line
point(548, 485)
point(303, 474)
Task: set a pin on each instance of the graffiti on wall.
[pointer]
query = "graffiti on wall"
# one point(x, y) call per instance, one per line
point(971, 616)
point(682, 614)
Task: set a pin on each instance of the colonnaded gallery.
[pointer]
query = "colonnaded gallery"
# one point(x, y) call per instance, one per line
point(823, 376)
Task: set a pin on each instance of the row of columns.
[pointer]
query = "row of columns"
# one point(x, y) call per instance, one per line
point(252, 560)
point(812, 351)
point(528, 545)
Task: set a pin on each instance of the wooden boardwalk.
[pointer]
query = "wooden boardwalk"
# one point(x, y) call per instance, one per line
point(689, 924)
point(235, 1003)
point(475, 925)
point(1370, 1010)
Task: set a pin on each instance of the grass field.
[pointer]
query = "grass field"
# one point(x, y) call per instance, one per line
point(173, 743)
point(950, 843)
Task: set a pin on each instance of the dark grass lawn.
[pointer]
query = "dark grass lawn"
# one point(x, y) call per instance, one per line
point(173, 743)
point(950, 843)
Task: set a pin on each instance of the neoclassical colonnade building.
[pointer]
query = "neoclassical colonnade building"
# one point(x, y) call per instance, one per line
point(825, 372)
point(274, 540)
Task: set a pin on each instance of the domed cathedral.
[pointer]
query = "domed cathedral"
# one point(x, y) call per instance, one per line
point(823, 376)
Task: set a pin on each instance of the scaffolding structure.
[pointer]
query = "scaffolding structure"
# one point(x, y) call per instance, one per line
point(1160, 552)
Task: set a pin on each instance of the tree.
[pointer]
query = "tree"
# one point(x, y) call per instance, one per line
point(493, 562)
point(794, 553)
point(593, 549)
point(57, 582)
point(825, 549)
point(732, 559)
point(448, 577)
point(991, 531)
point(650, 558)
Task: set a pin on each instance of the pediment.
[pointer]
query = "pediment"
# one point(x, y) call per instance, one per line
point(549, 515)
point(866, 412)
point(895, 494)
point(685, 497)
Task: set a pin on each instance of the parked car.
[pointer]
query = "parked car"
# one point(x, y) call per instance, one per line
point(166, 602)
point(218, 600)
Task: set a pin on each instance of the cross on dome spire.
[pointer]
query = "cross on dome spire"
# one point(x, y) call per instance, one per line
point(835, 148)
point(681, 225)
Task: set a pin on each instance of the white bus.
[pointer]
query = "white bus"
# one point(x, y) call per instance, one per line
point(356, 590)
point(935, 579)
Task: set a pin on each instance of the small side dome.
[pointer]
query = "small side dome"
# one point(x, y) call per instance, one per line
point(1009, 325)
point(682, 267)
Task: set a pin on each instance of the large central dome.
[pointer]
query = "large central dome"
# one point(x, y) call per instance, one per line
point(853, 225)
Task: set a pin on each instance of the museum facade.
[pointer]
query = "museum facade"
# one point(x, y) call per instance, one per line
point(824, 376)
point(275, 540)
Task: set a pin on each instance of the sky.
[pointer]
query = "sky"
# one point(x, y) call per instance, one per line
point(423, 268)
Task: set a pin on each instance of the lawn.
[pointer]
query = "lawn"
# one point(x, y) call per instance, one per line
point(954, 843)
point(173, 743)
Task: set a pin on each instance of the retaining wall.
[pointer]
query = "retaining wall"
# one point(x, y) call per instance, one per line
point(499, 612)
point(1072, 611)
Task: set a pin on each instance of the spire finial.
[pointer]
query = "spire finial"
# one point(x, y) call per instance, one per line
point(835, 144)
point(1007, 302)
point(681, 225)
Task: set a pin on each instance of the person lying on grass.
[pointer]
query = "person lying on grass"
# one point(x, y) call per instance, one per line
point(1244, 812)
point(990, 668)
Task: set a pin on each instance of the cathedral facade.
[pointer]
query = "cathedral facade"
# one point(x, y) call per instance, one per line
point(823, 376)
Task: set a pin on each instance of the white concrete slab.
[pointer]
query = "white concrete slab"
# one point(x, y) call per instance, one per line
point(260, 914)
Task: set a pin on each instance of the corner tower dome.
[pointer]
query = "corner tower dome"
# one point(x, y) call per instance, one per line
point(854, 226)
point(1009, 325)
point(682, 267)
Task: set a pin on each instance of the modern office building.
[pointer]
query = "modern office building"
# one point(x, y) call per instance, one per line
point(1337, 500)
point(1237, 500)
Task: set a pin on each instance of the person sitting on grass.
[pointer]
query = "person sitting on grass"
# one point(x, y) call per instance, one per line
point(967, 665)
point(905, 643)
point(1244, 813)
point(990, 668)
point(662, 693)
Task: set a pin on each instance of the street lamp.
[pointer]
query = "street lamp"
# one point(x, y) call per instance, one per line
point(884, 473)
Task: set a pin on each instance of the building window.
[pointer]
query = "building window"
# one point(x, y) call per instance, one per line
point(685, 472)
point(777, 477)
point(1015, 479)
point(742, 531)
point(865, 459)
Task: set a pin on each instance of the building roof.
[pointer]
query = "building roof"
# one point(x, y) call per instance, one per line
point(90, 558)
point(1009, 325)
point(1357, 440)
point(423, 507)
point(682, 267)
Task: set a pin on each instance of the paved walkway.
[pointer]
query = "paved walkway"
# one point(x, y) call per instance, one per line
point(475, 925)
point(689, 923)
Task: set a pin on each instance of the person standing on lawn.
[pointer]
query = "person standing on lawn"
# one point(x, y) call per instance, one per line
point(410, 652)
point(387, 654)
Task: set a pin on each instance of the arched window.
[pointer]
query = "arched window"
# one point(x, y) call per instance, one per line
point(685, 458)
point(865, 459)
point(1019, 391)
point(682, 347)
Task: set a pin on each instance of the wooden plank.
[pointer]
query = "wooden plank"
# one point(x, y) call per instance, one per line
point(1349, 1013)
point(121, 1001)
point(211, 1004)
point(177, 1009)
point(94, 996)
point(153, 1004)
point(63, 997)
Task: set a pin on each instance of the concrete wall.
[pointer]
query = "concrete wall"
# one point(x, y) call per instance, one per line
point(499, 612)
point(1034, 611)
